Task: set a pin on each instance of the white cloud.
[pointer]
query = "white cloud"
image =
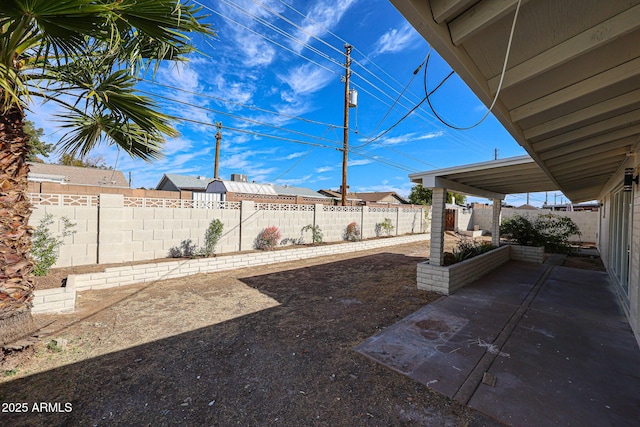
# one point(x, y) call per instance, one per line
point(395, 40)
point(306, 79)
point(294, 181)
point(295, 155)
point(324, 169)
point(322, 16)
point(359, 162)
point(430, 135)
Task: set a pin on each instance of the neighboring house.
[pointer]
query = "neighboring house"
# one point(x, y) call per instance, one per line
point(568, 95)
point(239, 189)
point(382, 197)
point(74, 175)
point(175, 182)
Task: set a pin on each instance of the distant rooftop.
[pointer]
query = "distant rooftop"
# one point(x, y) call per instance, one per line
point(74, 175)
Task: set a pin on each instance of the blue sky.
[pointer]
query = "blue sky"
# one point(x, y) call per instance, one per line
point(286, 57)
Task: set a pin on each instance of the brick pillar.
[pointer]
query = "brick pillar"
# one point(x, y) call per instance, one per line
point(110, 235)
point(495, 224)
point(439, 198)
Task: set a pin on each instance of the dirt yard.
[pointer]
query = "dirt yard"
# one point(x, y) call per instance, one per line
point(258, 346)
point(270, 345)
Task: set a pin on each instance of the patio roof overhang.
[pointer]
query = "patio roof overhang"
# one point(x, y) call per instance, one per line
point(571, 91)
point(493, 180)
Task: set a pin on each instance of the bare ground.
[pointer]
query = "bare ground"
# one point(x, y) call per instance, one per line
point(269, 345)
point(258, 346)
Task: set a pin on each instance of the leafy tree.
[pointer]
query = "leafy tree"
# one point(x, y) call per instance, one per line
point(458, 199)
point(37, 147)
point(424, 196)
point(96, 162)
point(420, 195)
point(83, 55)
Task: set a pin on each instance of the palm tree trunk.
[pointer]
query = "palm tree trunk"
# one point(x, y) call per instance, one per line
point(16, 278)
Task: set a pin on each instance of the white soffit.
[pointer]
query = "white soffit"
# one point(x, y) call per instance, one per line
point(493, 180)
point(571, 90)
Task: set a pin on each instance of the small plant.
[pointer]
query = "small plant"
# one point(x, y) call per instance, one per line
point(45, 247)
point(352, 232)
point(385, 226)
point(467, 248)
point(268, 239)
point(316, 233)
point(186, 249)
point(57, 346)
point(212, 237)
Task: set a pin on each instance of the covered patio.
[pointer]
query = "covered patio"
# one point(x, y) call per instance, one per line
point(528, 345)
point(493, 180)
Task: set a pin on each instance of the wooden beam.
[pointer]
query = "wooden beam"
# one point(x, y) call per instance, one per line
point(478, 17)
point(576, 159)
point(629, 99)
point(620, 138)
point(438, 182)
point(600, 81)
point(596, 36)
point(616, 127)
point(445, 9)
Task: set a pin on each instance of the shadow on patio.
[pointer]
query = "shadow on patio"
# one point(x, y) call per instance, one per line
point(528, 345)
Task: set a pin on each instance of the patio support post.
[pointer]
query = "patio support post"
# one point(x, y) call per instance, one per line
point(495, 224)
point(436, 254)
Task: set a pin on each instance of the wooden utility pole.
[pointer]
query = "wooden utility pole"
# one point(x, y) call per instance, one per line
point(345, 147)
point(218, 138)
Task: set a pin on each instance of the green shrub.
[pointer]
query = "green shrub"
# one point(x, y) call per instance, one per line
point(352, 232)
point(386, 226)
point(316, 233)
point(548, 230)
point(268, 239)
point(212, 237)
point(45, 247)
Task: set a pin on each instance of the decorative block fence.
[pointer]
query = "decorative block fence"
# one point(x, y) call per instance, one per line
point(448, 279)
point(112, 228)
point(63, 299)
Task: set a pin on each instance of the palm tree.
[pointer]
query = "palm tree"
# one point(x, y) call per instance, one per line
point(84, 55)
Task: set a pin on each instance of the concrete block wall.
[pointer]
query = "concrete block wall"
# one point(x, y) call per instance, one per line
point(527, 253)
point(333, 220)
point(54, 300)
point(447, 279)
point(290, 220)
point(80, 248)
point(121, 230)
point(62, 299)
point(585, 220)
point(413, 220)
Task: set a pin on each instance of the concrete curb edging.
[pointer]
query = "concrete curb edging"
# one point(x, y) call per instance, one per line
point(63, 299)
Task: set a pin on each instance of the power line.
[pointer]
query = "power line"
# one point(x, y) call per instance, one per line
point(233, 116)
point(495, 98)
point(251, 107)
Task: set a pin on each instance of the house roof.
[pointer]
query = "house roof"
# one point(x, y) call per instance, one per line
point(366, 197)
point(254, 188)
point(378, 196)
point(570, 95)
point(493, 180)
point(74, 175)
point(182, 182)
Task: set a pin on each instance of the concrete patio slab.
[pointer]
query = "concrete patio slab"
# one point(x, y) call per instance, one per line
point(554, 338)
